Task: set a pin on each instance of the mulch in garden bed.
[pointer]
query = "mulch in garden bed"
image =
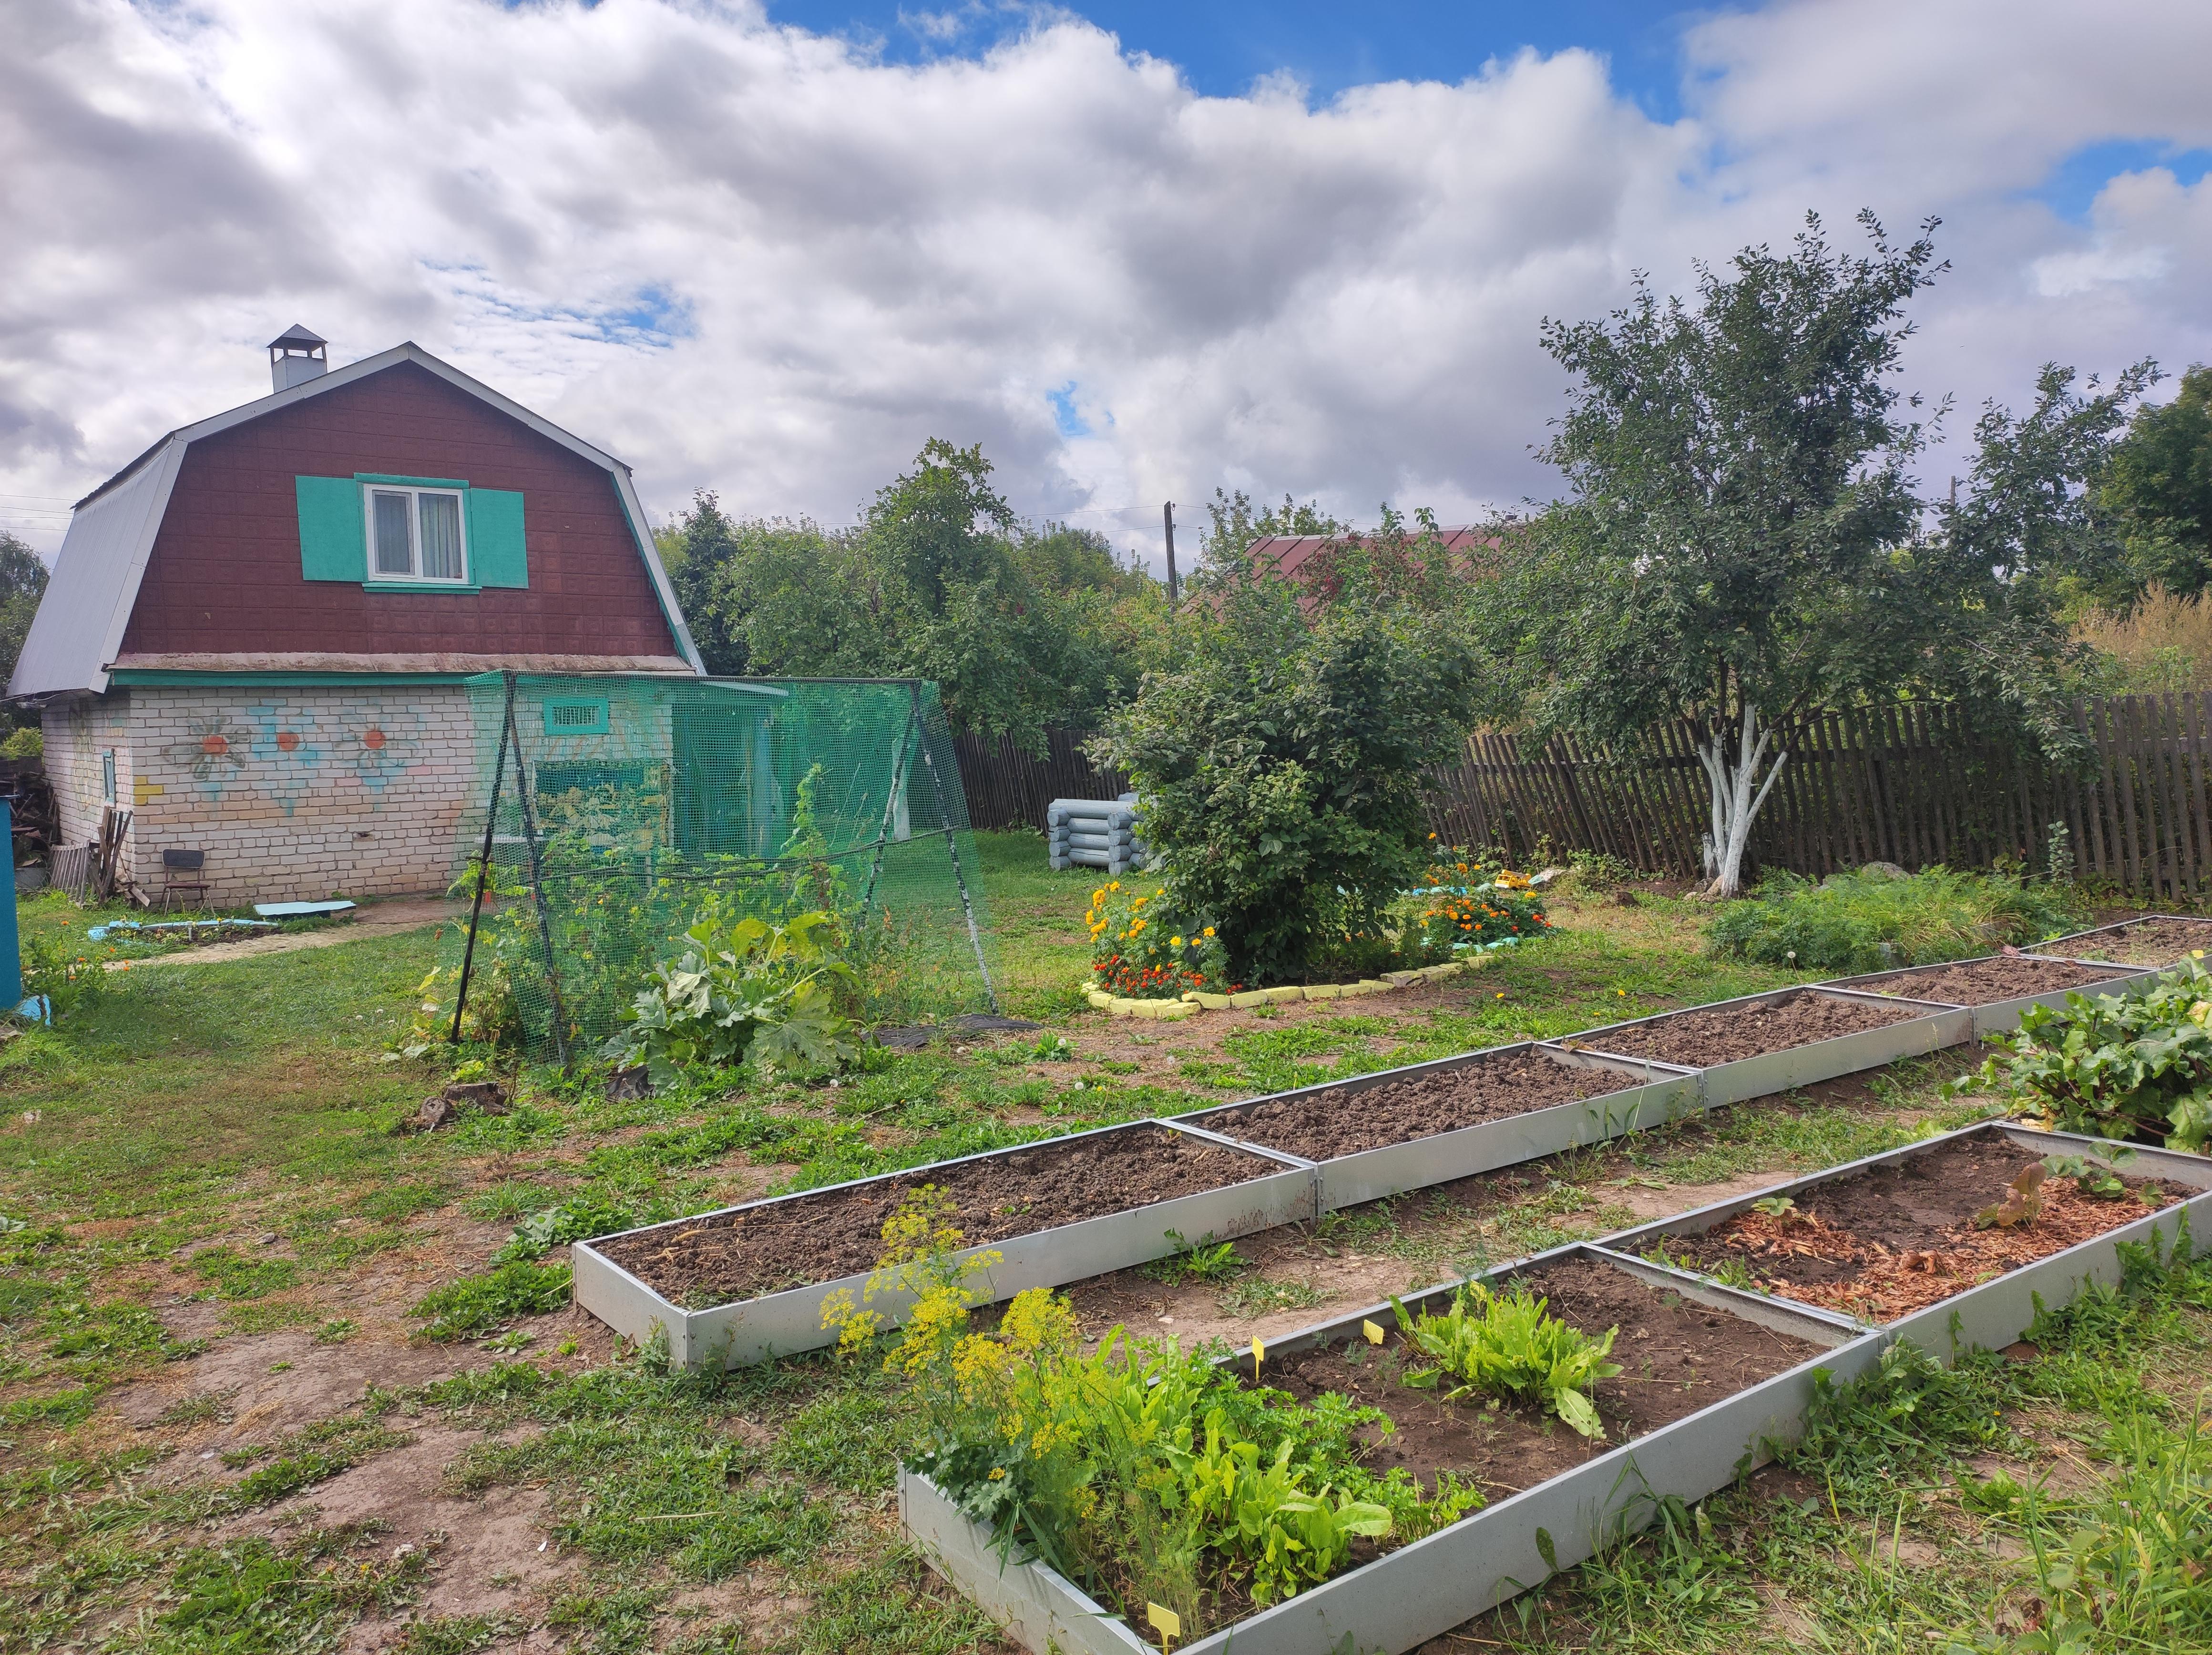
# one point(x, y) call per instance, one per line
point(1676, 1357)
point(1985, 982)
point(1882, 1243)
point(2150, 943)
point(1341, 1121)
point(767, 1248)
point(1716, 1034)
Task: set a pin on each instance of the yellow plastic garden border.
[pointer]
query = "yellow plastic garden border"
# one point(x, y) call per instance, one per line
point(1193, 1002)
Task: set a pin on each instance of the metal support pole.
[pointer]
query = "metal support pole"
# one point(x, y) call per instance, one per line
point(537, 897)
point(484, 861)
point(891, 802)
point(952, 849)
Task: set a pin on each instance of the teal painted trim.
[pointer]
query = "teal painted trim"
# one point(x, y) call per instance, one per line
point(411, 482)
point(156, 677)
point(333, 541)
point(420, 586)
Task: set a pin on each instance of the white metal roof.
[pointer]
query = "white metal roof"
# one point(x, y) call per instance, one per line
point(79, 626)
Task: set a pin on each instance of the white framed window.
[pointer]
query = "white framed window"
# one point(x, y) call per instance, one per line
point(415, 534)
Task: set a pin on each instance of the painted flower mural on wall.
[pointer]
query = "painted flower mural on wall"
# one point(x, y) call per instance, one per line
point(214, 751)
point(378, 741)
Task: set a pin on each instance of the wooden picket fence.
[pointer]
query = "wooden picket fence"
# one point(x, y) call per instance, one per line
point(1912, 784)
point(1009, 788)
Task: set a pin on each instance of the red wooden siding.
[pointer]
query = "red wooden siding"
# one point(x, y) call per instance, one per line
point(224, 576)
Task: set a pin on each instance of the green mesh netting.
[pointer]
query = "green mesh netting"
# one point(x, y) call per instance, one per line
point(627, 805)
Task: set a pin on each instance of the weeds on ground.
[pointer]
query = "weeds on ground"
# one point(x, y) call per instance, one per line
point(1867, 921)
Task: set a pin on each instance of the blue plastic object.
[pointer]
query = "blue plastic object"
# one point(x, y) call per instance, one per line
point(298, 910)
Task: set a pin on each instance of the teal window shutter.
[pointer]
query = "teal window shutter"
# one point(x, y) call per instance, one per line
point(496, 557)
point(333, 543)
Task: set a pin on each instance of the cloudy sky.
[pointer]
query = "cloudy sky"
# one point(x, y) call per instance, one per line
point(1136, 250)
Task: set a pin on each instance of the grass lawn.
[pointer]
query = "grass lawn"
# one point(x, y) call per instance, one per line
point(222, 1427)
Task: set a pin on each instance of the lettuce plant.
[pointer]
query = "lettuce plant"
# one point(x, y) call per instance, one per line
point(1507, 1346)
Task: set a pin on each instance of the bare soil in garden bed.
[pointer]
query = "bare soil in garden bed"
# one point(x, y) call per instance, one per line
point(2153, 943)
point(1342, 1121)
point(1897, 1237)
point(727, 1256)
point(1718, 1035)
point(1985, 982)
point(1676, 1357)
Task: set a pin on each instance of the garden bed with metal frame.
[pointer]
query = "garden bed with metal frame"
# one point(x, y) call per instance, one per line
point(1280, 1191)
point(1422, 1589)
point(1992, 1312)
point(2190, 932)
point(1735, 1080)
point(1652, 1095)
point(2000, 1017)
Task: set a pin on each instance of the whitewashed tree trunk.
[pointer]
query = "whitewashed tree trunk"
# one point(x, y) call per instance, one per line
point(1737, 793)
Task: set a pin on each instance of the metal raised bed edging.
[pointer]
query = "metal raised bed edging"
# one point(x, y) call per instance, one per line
point(2000, 1016)
point(1769, 1072)
point(1422, 1589)
point(1992, 1313)
point(1668, 1092)
point(2074, 938)
point(781, 1324)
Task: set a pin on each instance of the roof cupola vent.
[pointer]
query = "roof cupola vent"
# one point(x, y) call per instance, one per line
point(297, 355)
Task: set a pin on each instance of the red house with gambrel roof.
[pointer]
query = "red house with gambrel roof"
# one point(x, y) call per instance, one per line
point(256, 632)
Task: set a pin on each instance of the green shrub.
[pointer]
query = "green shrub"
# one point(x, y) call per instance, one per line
point(1507, 1346)
point(28, 743)
point(2132, 1066)
point(1281, 762)
point(1868, 921)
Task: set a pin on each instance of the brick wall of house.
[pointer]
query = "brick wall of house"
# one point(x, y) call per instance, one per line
point(294, 794)
point(298, 794)
point(78, 729)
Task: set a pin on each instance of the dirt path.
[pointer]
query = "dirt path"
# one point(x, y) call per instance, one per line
point(382, 919)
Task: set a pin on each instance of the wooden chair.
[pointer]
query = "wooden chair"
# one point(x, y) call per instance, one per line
point(184, 873)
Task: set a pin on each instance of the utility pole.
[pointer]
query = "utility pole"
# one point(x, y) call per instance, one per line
point(1167, 517)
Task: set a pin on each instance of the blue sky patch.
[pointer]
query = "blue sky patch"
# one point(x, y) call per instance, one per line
point(1223, 46)
point(1065, 415)
point(2074, 183)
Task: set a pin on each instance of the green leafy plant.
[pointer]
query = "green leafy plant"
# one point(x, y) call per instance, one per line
point(777, 994)
point(1259, 1513)
point(2089, 1177)
point(70, 982)
point(1507, 1346)
point(1868, 921)
point(1202, 1260)
point(2136, 1066)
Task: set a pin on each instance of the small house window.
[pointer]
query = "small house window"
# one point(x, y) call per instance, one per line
point(575, 716)
point(417, 534)
point(107, 776)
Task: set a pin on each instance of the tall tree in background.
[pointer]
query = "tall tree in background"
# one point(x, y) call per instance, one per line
point(1022, 628)
point(1743, 541)
point(2159, 489)
point(22, 583)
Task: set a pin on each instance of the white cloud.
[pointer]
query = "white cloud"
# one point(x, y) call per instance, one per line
point(754, 259)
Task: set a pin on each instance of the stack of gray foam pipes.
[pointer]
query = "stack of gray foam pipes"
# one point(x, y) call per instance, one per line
point(1095, 833)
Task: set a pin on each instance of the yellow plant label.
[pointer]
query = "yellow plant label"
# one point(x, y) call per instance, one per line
point(1374, 1333)
point(1165, 1621)
point(1259, 1350)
